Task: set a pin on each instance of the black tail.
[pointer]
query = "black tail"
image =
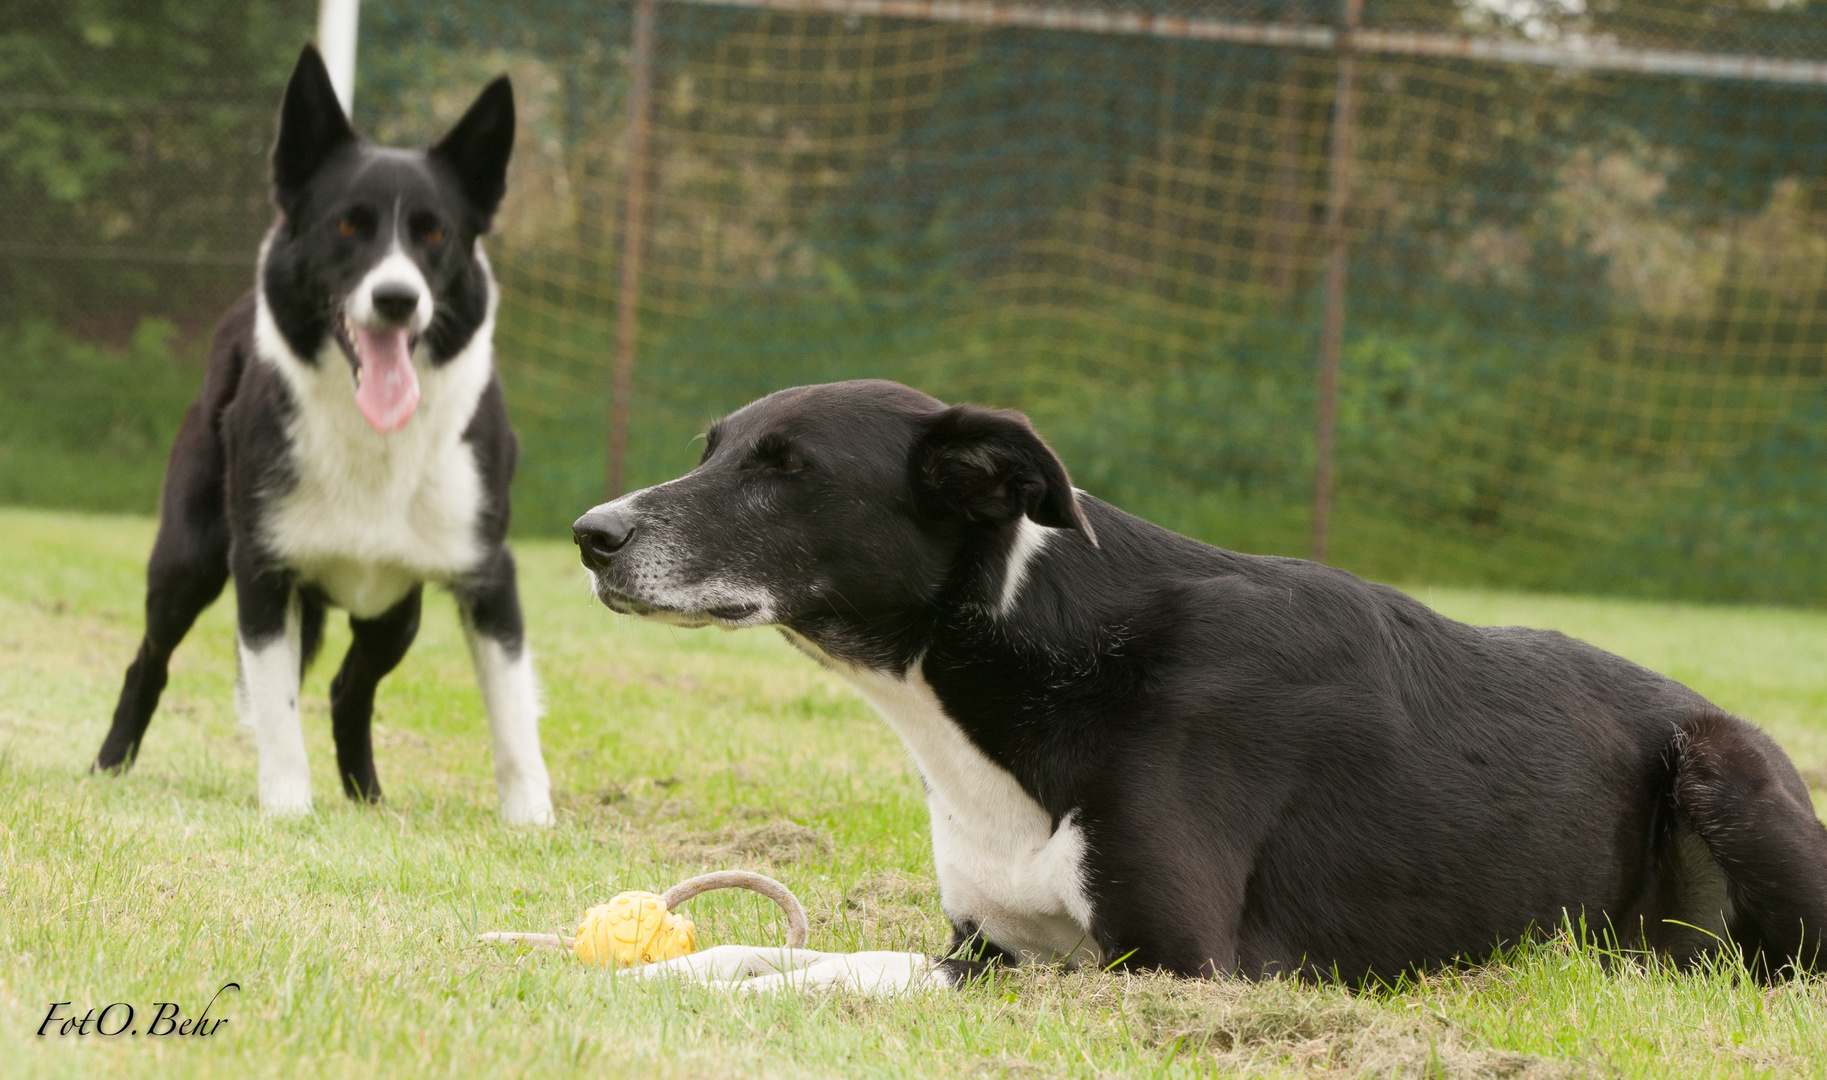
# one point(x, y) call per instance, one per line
point(1744, 798)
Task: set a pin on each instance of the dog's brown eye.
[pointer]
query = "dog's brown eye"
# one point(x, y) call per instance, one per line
point(434, 236)
point(776, 454)
point(346, 227)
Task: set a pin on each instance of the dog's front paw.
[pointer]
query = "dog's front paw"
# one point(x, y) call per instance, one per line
point(527, 806)
point(285, 799)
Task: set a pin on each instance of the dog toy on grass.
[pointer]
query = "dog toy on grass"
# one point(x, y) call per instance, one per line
point(637, 928)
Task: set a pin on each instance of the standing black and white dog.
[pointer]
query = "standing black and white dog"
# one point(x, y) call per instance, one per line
point(350, 443)
point(1139, 748)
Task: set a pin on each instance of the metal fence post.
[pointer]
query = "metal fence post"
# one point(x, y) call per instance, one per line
point(1338, 251)
point(634, 223)
point(337, 24)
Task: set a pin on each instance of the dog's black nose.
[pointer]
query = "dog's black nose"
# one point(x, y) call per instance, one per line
point(396, 303)
point(600, 534)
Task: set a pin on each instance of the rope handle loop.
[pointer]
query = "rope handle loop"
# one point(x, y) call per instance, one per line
point(798, 932)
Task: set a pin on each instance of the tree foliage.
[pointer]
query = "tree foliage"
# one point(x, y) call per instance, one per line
point(133, 137)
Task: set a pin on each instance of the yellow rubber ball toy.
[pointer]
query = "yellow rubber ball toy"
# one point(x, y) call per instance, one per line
point(634, 928)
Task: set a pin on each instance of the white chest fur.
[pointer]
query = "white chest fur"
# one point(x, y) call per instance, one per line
point(370, 514)
point(1001, 863)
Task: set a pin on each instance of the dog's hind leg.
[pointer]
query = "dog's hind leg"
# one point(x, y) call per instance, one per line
point(377, 647)
point(1742, 795)
point(188, 568)
point(490, 604)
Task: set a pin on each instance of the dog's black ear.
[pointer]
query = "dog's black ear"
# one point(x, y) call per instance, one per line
point(311, 127)
point(479, 146)
point(990, 465)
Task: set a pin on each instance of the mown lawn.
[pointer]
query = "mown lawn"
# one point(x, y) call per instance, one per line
point(351, 933)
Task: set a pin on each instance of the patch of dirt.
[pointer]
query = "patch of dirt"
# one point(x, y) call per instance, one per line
point(780, 842)
point(888, 896)
point(1280, 1027)
point(1763, 1060)
point(680, 809)
point(894, 910)
point(638, 802)
point(1004, 1065)
point(1323, 1034)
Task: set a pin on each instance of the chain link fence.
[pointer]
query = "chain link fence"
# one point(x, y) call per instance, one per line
point(1583, 248)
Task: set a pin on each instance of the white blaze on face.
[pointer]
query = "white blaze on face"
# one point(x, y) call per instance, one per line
point(386, 385)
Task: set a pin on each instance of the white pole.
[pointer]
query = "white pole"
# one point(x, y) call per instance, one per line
point(336, 23)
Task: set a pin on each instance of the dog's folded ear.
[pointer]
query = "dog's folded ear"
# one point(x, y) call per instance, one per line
point(311, 128)
point(477, 149)
point(989, 465)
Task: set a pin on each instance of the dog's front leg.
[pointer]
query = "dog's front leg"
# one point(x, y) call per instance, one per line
point(270, 619)
point(510, 690)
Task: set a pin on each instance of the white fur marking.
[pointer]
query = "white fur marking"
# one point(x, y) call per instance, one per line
point(1000, 862)
point(510, 693)
point(370, 514)
point(396, 268)
point(1030, 538)
point(267, 696)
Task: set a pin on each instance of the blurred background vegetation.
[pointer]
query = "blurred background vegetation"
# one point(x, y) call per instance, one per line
point(1586, 317)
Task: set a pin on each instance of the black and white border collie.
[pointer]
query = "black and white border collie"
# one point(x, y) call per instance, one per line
point(350, 443)
point(1140, 749)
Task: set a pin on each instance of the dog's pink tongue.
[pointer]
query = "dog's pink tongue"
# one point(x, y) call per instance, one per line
point(388, 391)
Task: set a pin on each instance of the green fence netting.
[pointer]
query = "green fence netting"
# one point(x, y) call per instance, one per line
point(1586, 311)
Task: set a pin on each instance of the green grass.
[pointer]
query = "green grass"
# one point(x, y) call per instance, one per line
point(351, 933)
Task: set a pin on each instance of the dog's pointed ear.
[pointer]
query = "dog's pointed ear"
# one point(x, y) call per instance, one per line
point(311, 127)
point(477, 149)
point(989, 465)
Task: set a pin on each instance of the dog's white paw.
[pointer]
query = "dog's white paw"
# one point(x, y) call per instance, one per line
point(527, 806)
point(288, 798)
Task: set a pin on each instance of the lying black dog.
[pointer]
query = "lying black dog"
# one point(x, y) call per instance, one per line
point(1140, 748)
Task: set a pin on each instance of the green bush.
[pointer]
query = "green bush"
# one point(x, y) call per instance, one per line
point(87, 427)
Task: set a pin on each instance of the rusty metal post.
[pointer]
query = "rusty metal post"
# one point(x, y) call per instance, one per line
point(1285, 235)
point(634, 228)
point(1338, 252)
